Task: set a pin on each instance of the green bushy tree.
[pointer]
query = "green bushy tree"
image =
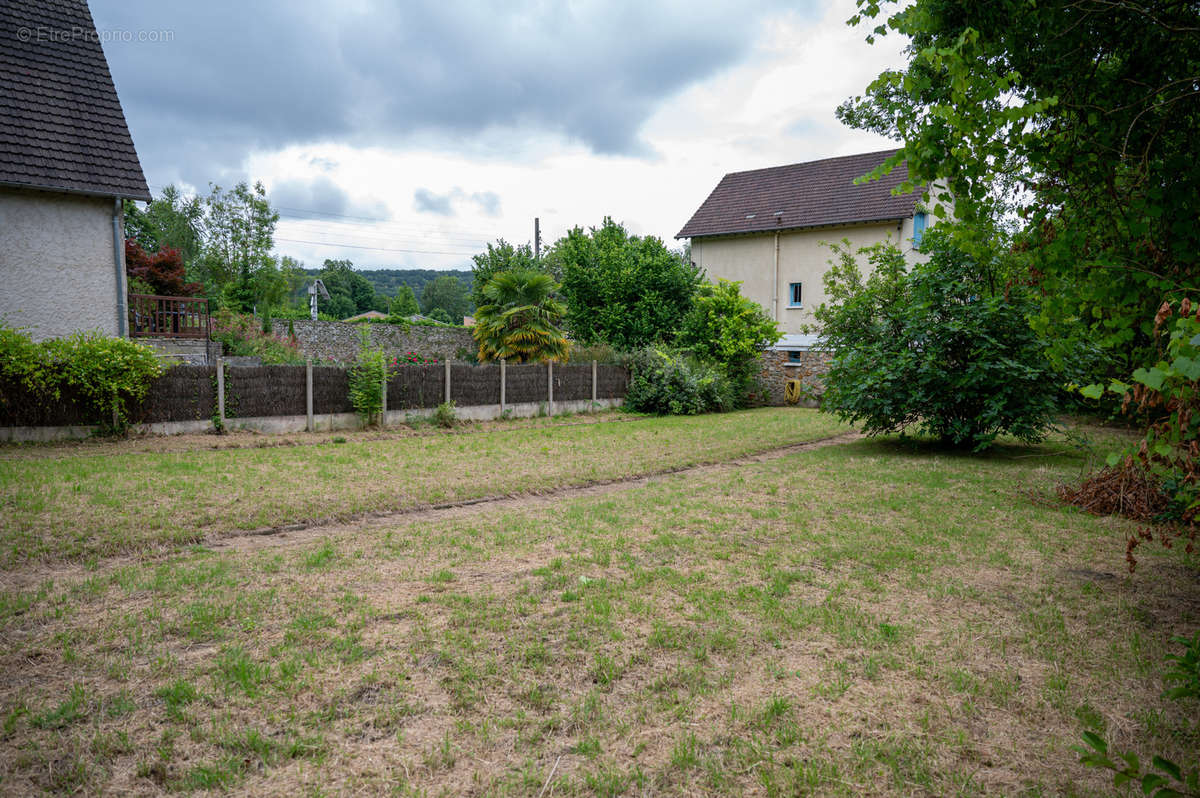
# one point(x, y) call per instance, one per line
point(404, 303)
point(621, 289)
point(946, 347)
point(1084, 110)
point(499, 257)
point(448, 293)
point(730, 330)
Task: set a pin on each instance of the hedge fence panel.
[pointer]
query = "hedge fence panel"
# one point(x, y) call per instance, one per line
point(572, 382)
point(22, 408)
point(415, 387)
point(612, 382)
point(252, 391)
point(182, 393)
point(525, 384)
point(331, 390)
point(474, 385)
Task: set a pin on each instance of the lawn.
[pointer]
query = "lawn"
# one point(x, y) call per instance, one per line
point(99, 501)
point(862, 618)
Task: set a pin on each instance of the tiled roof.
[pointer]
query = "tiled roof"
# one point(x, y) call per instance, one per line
point(61, 124)
point(808, 194)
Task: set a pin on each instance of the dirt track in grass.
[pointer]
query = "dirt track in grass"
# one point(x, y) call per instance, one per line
point(293, 534)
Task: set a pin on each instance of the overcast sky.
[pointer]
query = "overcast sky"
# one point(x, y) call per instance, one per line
point(409, 134)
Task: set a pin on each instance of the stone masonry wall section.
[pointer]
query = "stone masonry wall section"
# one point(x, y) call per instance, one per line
point(777, 370)
point(338, 341)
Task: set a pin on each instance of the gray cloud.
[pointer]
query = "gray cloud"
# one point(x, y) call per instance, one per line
point(427, 201)
point(488, 202)
point(236, 77)
point(323, 196)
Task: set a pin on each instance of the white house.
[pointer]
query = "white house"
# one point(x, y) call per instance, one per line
point(66, 163)
point(767, 228)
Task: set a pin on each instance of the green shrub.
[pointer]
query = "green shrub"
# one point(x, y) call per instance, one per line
point(367, 376)
point(109, 374)
point(726, 328)
point(444, 415)
point(240, 335)
point(666, 382)
point(946, 348)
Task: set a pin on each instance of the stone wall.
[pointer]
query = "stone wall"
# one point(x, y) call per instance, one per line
point(338, 341)
point(777, 369)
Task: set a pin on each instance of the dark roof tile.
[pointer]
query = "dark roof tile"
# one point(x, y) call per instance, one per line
point(809, 194)
point(61, 123)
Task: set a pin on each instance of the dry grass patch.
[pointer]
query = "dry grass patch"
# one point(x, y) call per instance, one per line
point(860, 619)
point(104, 504)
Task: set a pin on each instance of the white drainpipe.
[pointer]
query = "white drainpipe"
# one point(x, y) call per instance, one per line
point(119, 266)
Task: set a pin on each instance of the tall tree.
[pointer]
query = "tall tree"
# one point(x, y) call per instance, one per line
point(500, 257)
point(1087, 110)
point(404, 303)
point(449, 294)
point(622, 289)
point(240, 233)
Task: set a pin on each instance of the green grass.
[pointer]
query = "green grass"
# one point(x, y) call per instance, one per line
point(869, 618)
point(93, 505)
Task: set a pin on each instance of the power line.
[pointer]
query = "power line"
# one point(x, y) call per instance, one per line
point(365, 220)
point(375, 249)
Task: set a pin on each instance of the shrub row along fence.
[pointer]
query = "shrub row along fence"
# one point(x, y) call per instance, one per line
point(190, 393)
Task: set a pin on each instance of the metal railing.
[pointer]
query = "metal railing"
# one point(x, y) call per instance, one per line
point(168, 316)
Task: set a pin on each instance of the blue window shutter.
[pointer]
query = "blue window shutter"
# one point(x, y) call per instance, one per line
point(918, 227)
point(795, 294)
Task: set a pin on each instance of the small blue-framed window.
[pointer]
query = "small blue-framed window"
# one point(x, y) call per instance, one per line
point(918, 227)
point(795, 295)
point(795, 356)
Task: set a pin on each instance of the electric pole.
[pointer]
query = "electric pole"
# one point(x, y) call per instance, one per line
point(537, 239)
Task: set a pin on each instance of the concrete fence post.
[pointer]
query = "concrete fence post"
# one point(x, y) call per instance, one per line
point(593, 385)
point(383, 399)
point(503, 383)
point(308, 395)
point(221, 393)
point(550, 384)
point(447, 399)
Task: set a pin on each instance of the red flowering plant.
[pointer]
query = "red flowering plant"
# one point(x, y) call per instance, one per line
point(412, 359)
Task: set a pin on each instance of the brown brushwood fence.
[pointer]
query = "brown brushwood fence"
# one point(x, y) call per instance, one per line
point(189, 393)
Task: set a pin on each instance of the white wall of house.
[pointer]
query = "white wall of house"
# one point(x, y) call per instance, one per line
point(56, 263)
point(803, 258)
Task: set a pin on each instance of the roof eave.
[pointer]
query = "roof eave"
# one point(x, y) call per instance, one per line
point(133, 195)
point(789, 228)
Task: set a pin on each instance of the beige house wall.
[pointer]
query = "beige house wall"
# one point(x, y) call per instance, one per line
point(56, 263)
point(803, 258)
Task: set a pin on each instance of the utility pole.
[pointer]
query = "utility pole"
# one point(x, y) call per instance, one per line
point(537, 239)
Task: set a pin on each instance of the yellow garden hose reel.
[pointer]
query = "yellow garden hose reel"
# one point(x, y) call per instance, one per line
point(793, 390)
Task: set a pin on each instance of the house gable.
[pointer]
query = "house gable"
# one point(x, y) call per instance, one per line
point(61, 124)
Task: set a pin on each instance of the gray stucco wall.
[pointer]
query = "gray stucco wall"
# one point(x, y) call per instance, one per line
point(56, 263)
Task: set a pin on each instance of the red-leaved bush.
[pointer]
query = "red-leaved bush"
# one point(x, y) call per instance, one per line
point(162, 270)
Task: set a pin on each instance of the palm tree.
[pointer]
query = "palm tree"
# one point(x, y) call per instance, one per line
point(520, 320)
